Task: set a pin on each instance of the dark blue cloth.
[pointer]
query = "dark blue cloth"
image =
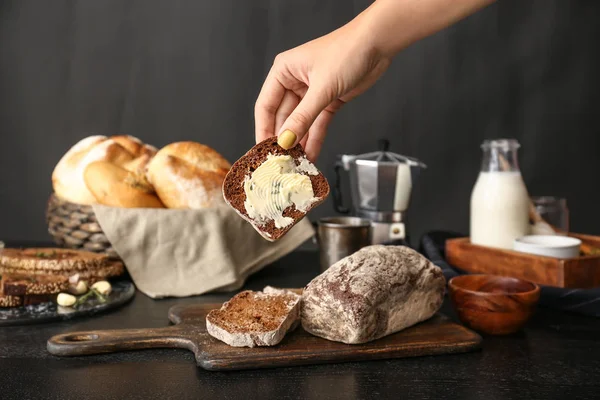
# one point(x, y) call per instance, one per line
point(581, 301)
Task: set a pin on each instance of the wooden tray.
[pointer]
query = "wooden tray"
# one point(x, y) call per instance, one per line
point(437, 335)
point(581, 272)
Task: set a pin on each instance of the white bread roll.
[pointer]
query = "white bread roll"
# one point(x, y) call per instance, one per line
point(134, 145)
point(114, 186)
point(67, 177)
point(188, 175)
point(138, 167)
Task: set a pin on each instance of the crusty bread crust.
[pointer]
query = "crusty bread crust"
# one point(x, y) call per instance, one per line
point(51, 258)
point(188, 175)
point(7, 301)
point(26, 284)
point(244, 322)
point(115, 186)
point(233, 186)
point(91, 275)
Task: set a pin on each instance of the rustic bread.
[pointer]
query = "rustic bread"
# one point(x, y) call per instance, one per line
point(252, 319)
point(7, 301)
point(90, 275)
point(56, 261)
point(233, 186)
point(24, 290)
point(51, 259)
point(372, 293)
point(121, 150)
point(28, 284)
point(188, 175)
point(180, 184)
point(32, 299)
point(66, 181)
point(132, 144)
point(114, 186)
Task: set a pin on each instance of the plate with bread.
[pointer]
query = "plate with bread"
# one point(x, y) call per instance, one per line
point(47, 284)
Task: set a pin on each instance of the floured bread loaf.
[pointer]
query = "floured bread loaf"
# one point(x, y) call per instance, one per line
point(252, 319)
point(273, 188)
point(188, 175)
point(372, 293)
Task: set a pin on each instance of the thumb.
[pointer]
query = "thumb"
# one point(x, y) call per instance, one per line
point(301, 119)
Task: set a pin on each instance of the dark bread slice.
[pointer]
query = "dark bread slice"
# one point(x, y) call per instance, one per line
point(26, 284)
point(233, 186)
point(52, 259)
point(91, 275)
point(7, 300)
point(10, 301)
point(252, 319)
point(33, 299)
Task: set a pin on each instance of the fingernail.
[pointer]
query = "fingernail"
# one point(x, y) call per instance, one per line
point(286, 139)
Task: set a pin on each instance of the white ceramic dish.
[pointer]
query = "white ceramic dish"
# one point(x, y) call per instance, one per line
point(549, 245)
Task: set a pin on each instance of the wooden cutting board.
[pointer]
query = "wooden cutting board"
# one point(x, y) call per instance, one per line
point(436, 336)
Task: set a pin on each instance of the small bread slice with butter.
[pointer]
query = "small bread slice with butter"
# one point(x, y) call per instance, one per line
point(273, 188)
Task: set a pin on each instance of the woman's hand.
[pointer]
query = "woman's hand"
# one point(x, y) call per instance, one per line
point(308, 84)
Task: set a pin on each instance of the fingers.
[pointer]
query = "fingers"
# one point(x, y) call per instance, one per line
point(300, 120)
point(318, 131)
point(269, 99)
point(288, 104)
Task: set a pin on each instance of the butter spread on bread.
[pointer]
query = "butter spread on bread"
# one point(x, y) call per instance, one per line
point(277, 184)
point(254, 209)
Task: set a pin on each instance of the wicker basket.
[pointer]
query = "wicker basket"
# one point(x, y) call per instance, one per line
point(75, 226)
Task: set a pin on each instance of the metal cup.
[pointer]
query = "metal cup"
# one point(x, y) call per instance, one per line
point(339, 237)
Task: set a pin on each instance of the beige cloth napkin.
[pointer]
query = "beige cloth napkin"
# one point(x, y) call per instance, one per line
point(184, 253)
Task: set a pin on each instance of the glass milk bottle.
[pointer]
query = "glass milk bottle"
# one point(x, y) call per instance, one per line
point(499, 201)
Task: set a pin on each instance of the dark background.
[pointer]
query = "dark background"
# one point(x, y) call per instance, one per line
point(191, 70)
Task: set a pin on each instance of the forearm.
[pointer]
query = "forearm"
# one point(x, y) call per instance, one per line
point(393, 25)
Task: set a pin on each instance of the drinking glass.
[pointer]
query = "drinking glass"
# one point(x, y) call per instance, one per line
point(553, 210)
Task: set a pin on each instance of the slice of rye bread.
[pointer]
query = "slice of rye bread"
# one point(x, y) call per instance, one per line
point(7, 300)
point(233, 186)
point(33, 299)
point(10, 301)
point(252, 319)
point(53, 259)
point(26, 284)
point(91, 275)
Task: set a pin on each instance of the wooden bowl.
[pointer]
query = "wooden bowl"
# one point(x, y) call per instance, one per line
point(493, 304)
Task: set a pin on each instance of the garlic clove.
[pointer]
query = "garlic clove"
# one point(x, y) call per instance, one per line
point(66, 300)
point(73, 279)
point(102, 287)
point(78, 288)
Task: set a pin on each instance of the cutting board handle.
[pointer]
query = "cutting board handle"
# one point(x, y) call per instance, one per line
point(110, 341)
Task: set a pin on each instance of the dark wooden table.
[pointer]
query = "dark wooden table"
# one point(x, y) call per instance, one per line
point(556, 356)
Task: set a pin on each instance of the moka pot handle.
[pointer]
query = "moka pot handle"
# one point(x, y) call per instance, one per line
point(337, 191)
